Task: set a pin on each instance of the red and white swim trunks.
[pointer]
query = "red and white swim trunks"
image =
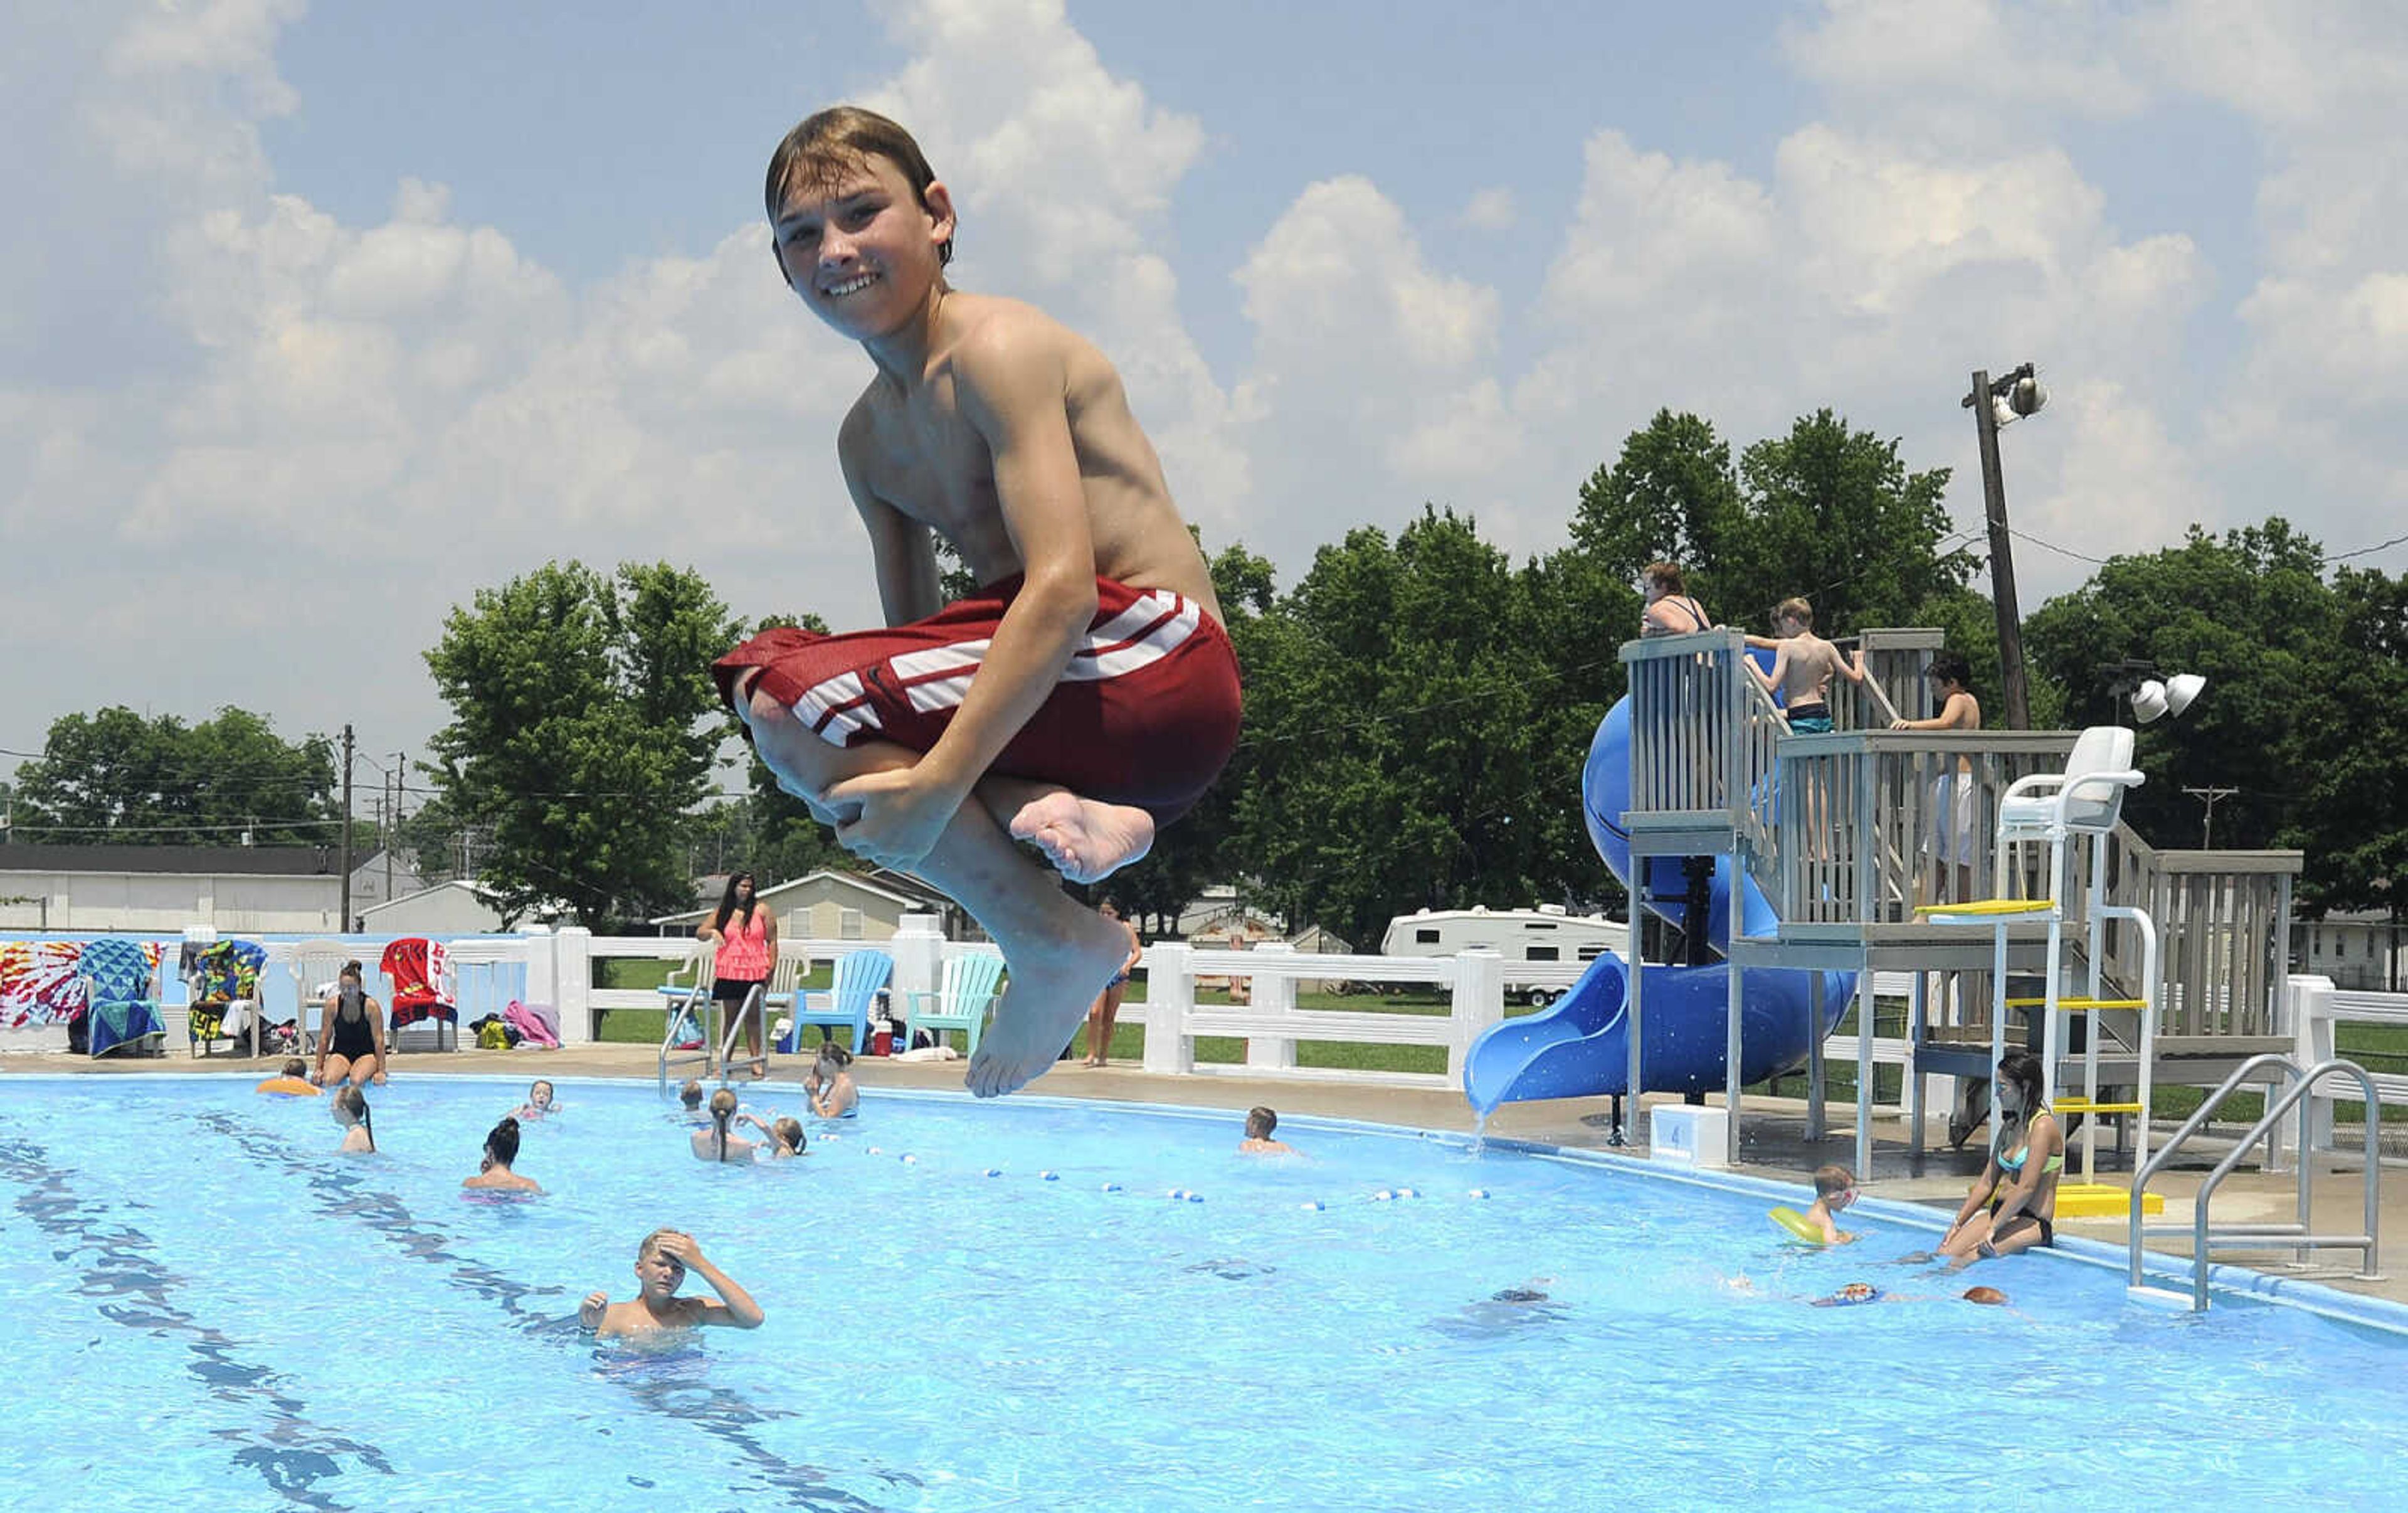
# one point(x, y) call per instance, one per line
point(1146, 713)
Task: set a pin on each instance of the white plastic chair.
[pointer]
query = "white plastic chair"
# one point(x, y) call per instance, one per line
point(2086, 798)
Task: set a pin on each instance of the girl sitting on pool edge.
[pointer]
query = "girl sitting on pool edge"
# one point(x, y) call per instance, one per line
point(2013, 1204)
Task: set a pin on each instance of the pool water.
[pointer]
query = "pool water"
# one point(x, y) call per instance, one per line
point(212, 1309)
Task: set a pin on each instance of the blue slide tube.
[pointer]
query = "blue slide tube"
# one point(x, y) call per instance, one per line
point(1578, 1046)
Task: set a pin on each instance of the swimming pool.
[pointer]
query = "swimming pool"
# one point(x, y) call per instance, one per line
point(210, 1309)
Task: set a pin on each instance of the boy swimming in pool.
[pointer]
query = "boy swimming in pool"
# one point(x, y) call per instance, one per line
point(1260, 1121)
point(1835, 1187)
point(1085, 695)
point(662, 1262)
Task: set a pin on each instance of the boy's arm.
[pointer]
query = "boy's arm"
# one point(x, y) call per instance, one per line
point(738, 1310)
point(1851, 666)
point(1780, 664)
point(1010, 386)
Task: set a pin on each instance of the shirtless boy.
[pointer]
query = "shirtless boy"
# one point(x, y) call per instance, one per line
point(662, 1262)
point(1802, 665)
point(1084, 695)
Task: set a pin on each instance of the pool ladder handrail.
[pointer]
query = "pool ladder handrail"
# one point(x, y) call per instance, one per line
point(2297, 1236)
point(693, 1009)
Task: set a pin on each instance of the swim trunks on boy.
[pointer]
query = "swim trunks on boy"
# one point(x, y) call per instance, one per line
point(1145, 714)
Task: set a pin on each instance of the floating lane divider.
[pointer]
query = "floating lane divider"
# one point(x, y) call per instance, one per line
point(1190, 1195)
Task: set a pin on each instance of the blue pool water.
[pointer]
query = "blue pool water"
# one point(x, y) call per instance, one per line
point(209, 1308)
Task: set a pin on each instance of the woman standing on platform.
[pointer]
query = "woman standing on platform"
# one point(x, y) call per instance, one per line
point(748, 943)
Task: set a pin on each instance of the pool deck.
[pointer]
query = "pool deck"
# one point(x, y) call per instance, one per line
point(1774, 1143)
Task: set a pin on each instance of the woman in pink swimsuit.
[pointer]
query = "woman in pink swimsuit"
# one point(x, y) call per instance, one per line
point(748, 943)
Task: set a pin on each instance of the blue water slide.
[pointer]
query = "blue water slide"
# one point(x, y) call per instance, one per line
point(1579, 1046)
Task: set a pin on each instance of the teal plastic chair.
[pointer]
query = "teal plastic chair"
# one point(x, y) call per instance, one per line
point(120, 1006)
point(971, 981)
point(860, 977)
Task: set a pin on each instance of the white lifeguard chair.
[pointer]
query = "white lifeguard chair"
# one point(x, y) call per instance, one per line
point(2058, 810)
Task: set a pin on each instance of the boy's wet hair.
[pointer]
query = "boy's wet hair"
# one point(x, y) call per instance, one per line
point(1260, 1121)
point(830, 142)
point(651, 1242)
point(1830, 1181)
point(1952, 666)
point(296, 1067)
point(691, 1094)
point(1794, 609)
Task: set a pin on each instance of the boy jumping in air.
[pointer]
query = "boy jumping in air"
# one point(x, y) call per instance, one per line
point(1085, 695)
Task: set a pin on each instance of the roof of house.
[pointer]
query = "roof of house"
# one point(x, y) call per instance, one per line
point(885, 884)
point(253, 861)
point(483, 895)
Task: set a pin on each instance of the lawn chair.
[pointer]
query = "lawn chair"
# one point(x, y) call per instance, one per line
point(227, 1004)
point(316, 967)
point(421, 989)
point(860, 982)
point(121, 997)
point(972, 980)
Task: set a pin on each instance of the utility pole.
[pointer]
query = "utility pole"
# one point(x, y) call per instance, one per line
point(2207, 821)
point(2002, 558)
point(386, 834)
point(345, 928)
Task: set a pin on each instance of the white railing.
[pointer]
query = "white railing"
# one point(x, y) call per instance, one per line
point(2317, 1008)
point(1271, 1023)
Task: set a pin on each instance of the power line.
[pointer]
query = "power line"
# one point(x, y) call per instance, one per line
point(2363, 551)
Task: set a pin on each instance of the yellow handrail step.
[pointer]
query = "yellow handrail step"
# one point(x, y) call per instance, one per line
point(2080, 1006)
point(1988, 906)
point(2098, 1200)
point(2084, 1105)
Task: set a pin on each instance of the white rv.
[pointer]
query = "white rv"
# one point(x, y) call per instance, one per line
point(1545, 948)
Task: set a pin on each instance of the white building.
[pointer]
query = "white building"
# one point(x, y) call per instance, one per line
point(2360, 951)
point(239, 890)
point(446, 909)
point(832, 905)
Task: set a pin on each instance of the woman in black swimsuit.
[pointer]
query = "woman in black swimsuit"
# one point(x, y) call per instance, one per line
point(1670, 611)
point(351, 1040)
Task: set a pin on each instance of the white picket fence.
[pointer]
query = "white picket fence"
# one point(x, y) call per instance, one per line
point(2317, 1009)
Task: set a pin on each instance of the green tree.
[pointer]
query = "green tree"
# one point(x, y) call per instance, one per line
point(584, 729)
point(1390, 704)
point(2350, 810)
point(2250, 611)
point(122, 778)
point(1826, 511)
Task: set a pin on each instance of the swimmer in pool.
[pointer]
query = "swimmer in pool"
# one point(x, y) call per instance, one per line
point(539, 1102)
point(830, 1086)
point(350, 1111)
point(662, 1262)
point(782, 1140)
point(1260, 1122)
point(718, 1142)
point(494, 1173)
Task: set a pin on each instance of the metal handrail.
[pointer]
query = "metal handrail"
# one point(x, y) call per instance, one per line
point(2298, 1235)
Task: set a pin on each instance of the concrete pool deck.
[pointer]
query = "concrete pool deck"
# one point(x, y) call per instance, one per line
point(1774, 1144)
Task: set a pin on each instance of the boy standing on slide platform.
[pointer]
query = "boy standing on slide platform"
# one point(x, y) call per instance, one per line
point(1085, 695)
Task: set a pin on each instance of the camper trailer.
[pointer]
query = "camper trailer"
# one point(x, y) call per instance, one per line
point(1545, 948)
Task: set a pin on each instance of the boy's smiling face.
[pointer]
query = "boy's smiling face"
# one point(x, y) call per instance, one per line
point(859, 246)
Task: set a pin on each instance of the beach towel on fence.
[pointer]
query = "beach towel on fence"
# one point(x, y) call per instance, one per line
point(535, 1023)
point(423, 988)
point(39, 985)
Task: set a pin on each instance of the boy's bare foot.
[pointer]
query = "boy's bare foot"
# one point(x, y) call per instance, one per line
point(1045, 1004)
point(1086, 840)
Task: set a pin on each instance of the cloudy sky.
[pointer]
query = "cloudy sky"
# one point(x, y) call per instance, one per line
point(320, 317)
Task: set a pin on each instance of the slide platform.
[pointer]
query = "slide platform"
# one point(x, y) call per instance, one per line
point(1578, 1046)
